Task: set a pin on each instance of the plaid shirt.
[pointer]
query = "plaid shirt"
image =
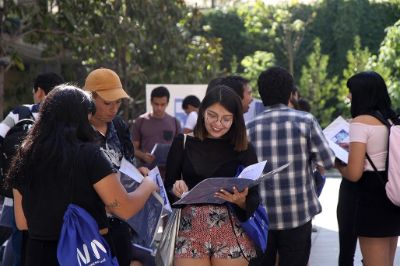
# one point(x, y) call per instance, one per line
point(280, 135)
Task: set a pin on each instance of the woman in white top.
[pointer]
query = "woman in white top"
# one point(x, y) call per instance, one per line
point(377, 219)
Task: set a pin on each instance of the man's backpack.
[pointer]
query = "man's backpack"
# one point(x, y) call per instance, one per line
point(80, 242)
point(392, 186)
point(11, 143)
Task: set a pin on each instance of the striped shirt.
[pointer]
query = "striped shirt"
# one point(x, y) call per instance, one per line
point(280, 135)
point(14, 117)
point(10, 121)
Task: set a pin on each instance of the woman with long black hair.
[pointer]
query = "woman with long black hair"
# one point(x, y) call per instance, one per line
point(377, 219)
point(58, 159)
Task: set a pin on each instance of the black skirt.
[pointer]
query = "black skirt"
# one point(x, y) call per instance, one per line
point(376, 215)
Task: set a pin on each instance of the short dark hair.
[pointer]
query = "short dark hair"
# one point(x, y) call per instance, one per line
point(159, 92)
point(275, 86)
point(236, 83)
point(303, 105)
point(190, 100)
point(292, 100)
point(214, 82)
point(47, 81)
point(369, 94)
point(230, 101)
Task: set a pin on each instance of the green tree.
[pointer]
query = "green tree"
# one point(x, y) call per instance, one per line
point(317, 87)
point(388, 63)
point(254, 64)
point(144, 42)
point(228, 27)
point(16, 24)
point(357, 61)
point(280, 28)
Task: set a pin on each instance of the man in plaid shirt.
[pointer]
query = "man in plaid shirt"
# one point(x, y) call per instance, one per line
point(280, 135)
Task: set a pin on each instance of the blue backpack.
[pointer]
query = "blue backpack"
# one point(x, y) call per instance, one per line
point(80, 242)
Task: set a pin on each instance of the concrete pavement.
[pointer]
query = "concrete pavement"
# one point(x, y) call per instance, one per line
point(325, 242)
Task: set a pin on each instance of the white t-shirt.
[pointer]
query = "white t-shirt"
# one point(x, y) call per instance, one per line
point(191, 120)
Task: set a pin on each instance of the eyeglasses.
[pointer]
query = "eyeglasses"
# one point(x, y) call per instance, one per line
point(226, 121)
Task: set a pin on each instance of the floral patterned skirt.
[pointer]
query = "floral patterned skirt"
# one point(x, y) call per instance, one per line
point(206, 231)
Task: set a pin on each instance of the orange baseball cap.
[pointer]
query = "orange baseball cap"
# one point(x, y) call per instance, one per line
point(106, 84)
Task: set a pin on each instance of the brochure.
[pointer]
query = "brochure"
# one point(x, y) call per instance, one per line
point(204, 191)
point(145, 222)
point(336, 133)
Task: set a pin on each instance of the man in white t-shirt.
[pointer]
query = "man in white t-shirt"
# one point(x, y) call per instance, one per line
point(191, 106)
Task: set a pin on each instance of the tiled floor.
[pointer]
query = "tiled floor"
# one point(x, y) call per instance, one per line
point(325, 247)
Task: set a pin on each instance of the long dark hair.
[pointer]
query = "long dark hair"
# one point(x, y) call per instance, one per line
point(53, 141)
point(230, 101)
point(369, 94)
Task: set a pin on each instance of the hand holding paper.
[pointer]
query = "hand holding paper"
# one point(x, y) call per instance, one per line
point(145, 222)
point(179, 188)
point(155, 175)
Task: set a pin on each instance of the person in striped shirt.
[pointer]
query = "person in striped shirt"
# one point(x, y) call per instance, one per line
point(42, 85)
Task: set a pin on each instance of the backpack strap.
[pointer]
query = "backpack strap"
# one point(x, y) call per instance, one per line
point(381, 178)
point(388, 123)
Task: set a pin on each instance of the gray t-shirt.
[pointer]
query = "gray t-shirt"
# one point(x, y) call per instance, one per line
point(149, 130)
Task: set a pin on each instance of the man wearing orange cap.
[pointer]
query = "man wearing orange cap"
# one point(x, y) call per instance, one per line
point(114, 138)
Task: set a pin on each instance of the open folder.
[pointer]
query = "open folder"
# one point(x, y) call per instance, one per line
point(204, 191)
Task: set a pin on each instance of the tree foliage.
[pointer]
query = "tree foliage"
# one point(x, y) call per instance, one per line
point(227, 26)
point(143, 41)
point(166, 42)
point(254, 64)
point(357, 61)
point(279, 29)
point(389, 62)
point(317, 87)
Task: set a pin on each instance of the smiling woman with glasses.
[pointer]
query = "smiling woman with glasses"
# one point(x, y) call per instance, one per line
point(218, 147)
point(213, 117)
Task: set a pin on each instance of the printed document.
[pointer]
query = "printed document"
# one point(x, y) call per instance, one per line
point(338, 132)
point(145, 222)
